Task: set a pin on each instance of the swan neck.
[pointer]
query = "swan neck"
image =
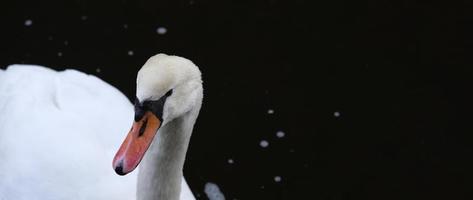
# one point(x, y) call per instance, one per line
point(160, 173)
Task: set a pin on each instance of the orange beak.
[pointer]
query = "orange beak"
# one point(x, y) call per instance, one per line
point(136, 143)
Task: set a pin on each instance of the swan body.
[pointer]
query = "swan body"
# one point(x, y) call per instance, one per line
point(58, 134)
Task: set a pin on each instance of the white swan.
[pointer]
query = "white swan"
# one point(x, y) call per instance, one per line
point(59, 131)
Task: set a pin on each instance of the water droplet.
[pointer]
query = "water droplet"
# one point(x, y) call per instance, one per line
point(270, 111)
point(264, 143)
point(130, 53)
point(28, 22)
point(336, 114)
point(280, 134)
point(161, 30)
point(277, 179)
point(230, 161)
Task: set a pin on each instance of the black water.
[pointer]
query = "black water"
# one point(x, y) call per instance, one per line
point(398, 73)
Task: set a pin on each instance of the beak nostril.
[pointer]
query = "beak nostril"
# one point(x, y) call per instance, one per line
point(143, 127)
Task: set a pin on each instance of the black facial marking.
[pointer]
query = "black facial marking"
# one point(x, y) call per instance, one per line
point(169, 93)
point(156, 107)
point(139, 110)
point(143, 128)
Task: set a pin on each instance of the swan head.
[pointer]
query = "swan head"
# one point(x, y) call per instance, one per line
point(167, 87)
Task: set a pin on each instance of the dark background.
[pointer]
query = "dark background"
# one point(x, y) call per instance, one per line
point(399, 73)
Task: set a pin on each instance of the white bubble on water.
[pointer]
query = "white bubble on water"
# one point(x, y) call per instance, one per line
point(213, 191)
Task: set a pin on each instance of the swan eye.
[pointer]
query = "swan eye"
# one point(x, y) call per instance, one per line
point(169, 93)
